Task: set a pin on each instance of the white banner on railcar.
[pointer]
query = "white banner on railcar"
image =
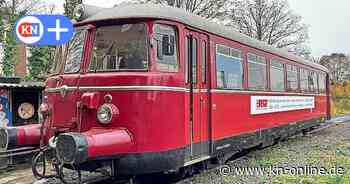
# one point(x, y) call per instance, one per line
point(270, 104)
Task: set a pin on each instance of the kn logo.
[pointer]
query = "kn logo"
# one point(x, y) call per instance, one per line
point(44, 29)
point(29, 30)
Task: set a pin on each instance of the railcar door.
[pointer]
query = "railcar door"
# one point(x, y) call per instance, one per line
point(197, 52)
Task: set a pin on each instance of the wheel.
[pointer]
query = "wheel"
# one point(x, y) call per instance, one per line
point(220, 159)
point(178, 175)
point(40, 165)
point(205, 165)
point(189, 170)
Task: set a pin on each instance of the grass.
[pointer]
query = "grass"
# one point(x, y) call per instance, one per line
point(329, 150)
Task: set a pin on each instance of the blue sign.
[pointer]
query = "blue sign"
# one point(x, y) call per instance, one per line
point(5, 114)
point(44, 29)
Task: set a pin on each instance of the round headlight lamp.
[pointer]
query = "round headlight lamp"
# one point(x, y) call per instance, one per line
point(106, 113)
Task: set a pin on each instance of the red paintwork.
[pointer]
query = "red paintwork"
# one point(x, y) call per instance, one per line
point(91, 100)
point(28, 135)
point(107, 142)
point(243, 122)
point(154, 121)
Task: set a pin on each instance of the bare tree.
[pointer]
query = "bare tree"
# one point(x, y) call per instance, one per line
point(69, 7)
point(12, 7)
point(338, 65)
point(271, 21)
point(211, 9)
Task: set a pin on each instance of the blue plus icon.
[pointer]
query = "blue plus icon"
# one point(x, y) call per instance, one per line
point(58, 29)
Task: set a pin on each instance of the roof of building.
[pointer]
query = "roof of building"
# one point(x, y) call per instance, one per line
point(184, 17)
point(32, 85)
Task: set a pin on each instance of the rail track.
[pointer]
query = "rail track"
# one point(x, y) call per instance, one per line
point(103, 177)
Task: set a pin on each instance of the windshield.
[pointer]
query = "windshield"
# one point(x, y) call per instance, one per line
point(70, 54)
point(57, 63)
point(120, 47)
point(75, 52)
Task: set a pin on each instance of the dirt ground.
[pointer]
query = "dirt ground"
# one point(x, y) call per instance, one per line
point(21, 174)
point(328, 149)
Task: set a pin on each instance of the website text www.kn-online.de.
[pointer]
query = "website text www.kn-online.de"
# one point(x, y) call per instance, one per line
point(277, 170)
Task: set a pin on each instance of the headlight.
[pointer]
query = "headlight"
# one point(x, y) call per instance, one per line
point(71, 148)
point(106, 113)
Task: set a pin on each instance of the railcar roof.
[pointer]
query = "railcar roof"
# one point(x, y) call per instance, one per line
point(180, 15)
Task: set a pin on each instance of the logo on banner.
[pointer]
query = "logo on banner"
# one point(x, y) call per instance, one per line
point(44, 29)
point(262, 103)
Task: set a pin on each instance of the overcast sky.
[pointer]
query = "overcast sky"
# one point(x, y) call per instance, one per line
point(328, 22)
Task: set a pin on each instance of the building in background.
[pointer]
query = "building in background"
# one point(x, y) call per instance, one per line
point(19, 101)
point(21, 68)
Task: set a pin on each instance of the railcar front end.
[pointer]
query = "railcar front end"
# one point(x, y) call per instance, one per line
point(107, 101)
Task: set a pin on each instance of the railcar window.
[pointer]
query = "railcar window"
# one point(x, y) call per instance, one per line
point(59, 58)
point(75, 52)
point(120, 47)
point(277, 76)
point(292, 78)
point(315, 81)
point(204, 61)
point(312, 80)
point(304, 80)
point(187, 55)
point(166, 39)
point(194, 60)
point(256, 72)
point(322, 83)
point(229, 68)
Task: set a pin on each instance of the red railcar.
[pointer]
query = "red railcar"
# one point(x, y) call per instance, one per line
point(155, 89)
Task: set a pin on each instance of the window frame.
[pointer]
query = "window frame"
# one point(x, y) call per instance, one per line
point(204, 61)
point(283, 64)
point(177, 41)
point(266, 71)
point(312, 74)
point(186, 61)
point(61, 64)
point(86, 33)
point(148, 50)
point(297, 69)
point(241, 60)
point(324, 90)
point(302, 71)
point(195, 59)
